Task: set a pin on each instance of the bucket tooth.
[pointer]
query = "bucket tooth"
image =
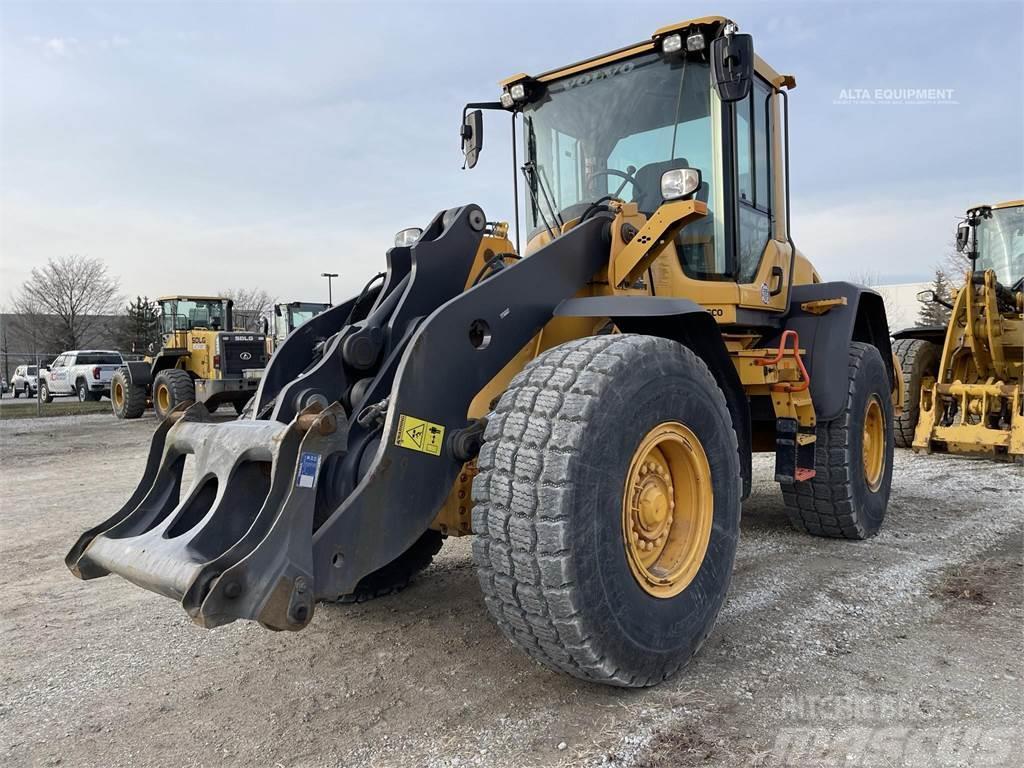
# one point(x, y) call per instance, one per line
point(253, 489)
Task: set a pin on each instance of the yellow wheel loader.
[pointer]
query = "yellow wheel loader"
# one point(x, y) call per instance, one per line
point(963, 381)
point(201, 359)
point(586, 407)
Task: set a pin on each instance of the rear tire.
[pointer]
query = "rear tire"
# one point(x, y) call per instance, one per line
point(85, 395)
point(171, 388)
point(127, 400)
point(397, 575)
point(557, 502)
point(919, 359)
point(848, 496)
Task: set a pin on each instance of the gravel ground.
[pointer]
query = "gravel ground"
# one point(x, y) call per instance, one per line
point(903, 650)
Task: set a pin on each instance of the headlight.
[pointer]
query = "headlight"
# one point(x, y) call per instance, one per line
point(672, 44)
point(680, 182)
point(407, 237)
point(518, 92)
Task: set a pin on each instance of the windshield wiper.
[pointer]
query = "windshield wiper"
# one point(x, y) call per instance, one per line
point(538, 180)
point(545, 188)
point(531, 185)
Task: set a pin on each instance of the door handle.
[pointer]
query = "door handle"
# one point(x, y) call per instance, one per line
point(777, 278)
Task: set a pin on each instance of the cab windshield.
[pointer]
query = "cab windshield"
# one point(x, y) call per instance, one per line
point(615, 131)
point(300, 316)
point(1001, 244)
point(186, 314)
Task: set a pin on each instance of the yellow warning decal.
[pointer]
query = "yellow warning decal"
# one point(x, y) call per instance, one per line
point(419, 435)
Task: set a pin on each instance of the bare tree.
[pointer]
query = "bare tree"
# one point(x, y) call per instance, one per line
point(954, 265)
point(251, 306)
point(62, 304)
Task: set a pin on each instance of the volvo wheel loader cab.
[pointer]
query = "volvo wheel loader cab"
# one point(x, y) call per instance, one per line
point(201, 359)
point(289, 316)
point(587, 408)
point(963, 381)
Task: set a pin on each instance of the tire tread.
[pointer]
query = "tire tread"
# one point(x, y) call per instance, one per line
point(522, 500)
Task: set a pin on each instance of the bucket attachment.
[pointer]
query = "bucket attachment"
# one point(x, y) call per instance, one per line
point(236, 543)
point(356, 435)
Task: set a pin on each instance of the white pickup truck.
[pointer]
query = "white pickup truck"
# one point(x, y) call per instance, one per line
point(85, 373)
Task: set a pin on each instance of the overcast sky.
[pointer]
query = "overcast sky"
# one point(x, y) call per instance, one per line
point(197, 147)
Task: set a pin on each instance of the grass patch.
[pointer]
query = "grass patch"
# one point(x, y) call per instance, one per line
point(27, 409)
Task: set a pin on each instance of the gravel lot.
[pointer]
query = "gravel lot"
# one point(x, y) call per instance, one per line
point(903, 650)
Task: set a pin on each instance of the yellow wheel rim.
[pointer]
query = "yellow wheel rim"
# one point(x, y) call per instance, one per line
point(874, 443)
point(667, 508)
point(117, 395)
point(163, 398)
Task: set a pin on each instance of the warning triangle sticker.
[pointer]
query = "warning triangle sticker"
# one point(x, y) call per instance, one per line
point(419, 435)
point(416, 435)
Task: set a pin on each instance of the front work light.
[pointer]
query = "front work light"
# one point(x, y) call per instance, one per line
point(518, 92)
point(506, 100)
point(672, 44)
point(679, 182)
point(406, 237)
point(695, 42)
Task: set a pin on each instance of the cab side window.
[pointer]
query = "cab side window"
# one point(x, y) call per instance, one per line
point(753, 182)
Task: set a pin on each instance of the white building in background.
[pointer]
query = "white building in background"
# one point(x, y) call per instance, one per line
point(901, 304)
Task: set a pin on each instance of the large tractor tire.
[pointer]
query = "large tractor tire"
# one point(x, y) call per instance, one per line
point(171, 388)
point(919, 360)
point(127, 400)
point(608, 507)
point(848, 495)
point(396, 575)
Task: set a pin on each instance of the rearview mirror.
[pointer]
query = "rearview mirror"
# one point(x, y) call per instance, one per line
point(963, 236)
point(732, 63)
point(472, 136)
point(925, 296)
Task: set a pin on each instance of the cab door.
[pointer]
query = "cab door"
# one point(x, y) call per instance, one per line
point(763, 253)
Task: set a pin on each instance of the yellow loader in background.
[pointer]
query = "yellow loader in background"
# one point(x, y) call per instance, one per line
point(201, 359)
point(963, 382)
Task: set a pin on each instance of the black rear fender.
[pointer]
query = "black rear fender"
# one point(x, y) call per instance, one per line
point(827, 337)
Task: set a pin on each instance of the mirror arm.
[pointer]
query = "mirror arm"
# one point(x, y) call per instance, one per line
point(479, 105)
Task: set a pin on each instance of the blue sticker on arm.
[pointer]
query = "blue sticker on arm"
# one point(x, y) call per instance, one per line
point(309, 467)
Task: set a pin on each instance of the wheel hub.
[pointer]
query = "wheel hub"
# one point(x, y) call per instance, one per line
point(873, 444)
point(667, 509)
point(163, 397)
